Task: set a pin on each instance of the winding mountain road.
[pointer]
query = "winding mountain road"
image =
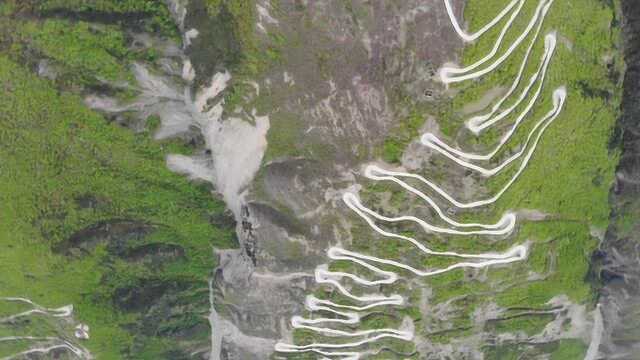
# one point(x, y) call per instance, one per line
point(350, 315)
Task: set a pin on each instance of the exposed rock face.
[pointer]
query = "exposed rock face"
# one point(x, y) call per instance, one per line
point(619, 256)
point(337, 85)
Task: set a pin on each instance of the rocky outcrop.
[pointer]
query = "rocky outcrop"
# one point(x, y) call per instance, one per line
point(618, 260)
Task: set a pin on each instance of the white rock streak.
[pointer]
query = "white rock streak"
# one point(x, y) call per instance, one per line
point(345, 316)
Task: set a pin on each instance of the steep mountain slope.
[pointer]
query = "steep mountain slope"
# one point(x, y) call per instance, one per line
point(175, 171)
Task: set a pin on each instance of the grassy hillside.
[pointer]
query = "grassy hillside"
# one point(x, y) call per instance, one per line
point(570, 174)
point(89, 214)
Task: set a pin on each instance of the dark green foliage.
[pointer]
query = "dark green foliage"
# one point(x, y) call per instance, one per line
point(150, 15)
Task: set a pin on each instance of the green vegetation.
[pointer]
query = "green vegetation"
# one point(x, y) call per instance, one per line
point(569, 349)
point(90, 215)
point(234, 22)
point(407, 129)
point(530, 324)
point(570, 174)
point(86, 53)
point(283, 143)
point(148, 15)
point(559, 350)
